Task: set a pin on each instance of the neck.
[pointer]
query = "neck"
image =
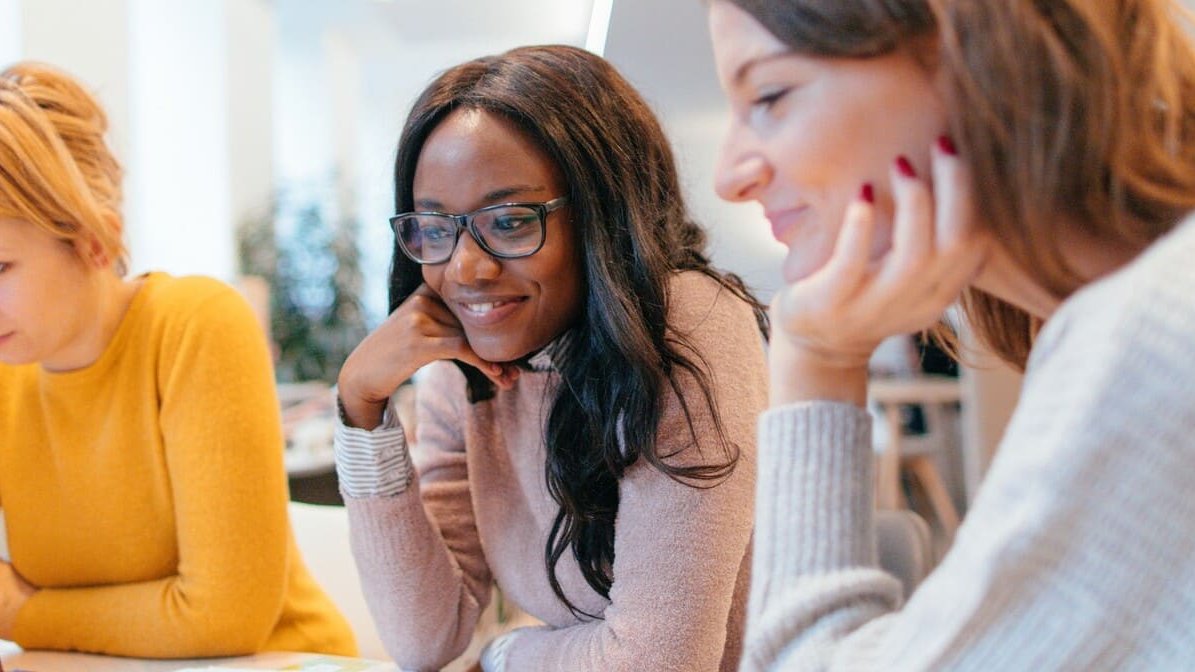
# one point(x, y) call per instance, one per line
point(1005, 279)
point(111, 296)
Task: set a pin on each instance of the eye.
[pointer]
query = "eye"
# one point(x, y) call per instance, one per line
point(767, 100)
point(433, 232)
point(512, 223)
point(4, 266)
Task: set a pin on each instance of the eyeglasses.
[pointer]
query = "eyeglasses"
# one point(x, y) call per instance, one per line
point(506, 231)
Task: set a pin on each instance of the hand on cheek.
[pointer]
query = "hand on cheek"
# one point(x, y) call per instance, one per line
point(420, 331)
point(826, 326)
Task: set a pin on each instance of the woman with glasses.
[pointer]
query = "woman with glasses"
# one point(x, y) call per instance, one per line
point(141, 474)
point(585, 422)
point(1036, 160)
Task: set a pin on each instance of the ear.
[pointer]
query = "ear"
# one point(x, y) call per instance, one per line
point(93, 251)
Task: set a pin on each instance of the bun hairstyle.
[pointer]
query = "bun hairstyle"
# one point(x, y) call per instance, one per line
point(56, 171)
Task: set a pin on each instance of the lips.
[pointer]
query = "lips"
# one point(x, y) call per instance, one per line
point(486, 311)
point(784, 222)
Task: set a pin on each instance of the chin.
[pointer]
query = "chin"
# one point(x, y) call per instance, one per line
point(497, 350)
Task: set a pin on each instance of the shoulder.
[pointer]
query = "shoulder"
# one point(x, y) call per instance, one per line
point(194, 314)
point(1146, 307)
point(699, 303)
point(188, 300)
point(189, 293)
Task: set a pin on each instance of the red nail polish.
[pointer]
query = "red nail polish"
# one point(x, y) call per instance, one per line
point(947, 145)
point(904, 167)
point(867, 193)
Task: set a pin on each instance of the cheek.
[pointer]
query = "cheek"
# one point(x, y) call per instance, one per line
point(433, 277)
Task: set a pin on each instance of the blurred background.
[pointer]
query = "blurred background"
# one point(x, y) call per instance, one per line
point(258, 136)
point(235, 114)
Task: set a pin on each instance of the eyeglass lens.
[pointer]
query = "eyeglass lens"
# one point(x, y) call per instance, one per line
point(506, 231)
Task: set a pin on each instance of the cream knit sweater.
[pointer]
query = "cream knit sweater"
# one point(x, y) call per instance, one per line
point(1079, 551)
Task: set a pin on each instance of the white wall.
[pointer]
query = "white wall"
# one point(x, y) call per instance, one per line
point(171, 76)
point(10, 31)
point(89, 40)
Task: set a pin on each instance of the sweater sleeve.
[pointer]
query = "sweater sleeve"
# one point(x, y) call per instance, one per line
point(418, 552)
point(1075, 554)
point(678, 549)
point(221, 430)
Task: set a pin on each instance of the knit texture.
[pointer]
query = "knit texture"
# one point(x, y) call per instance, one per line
point(478, 511)
point(1076, 553)
point(145, 494)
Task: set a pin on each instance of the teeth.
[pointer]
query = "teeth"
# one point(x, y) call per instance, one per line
point(482, 308)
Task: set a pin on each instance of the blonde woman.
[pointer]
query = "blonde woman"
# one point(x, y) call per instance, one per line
point(141, 471)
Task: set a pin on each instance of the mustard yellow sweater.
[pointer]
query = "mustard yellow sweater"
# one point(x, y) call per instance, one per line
point(145, 495)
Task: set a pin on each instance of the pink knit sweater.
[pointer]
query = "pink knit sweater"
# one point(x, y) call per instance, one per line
point(478, 511)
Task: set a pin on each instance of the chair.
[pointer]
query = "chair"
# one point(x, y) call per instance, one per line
point(322, 534)
point(915, 454)
point(904, 547)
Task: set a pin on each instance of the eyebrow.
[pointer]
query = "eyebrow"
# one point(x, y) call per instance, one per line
point(492, 197)
point(741, 72)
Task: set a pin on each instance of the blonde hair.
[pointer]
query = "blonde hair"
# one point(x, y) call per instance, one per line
point(56, 171)
point(1068, 112)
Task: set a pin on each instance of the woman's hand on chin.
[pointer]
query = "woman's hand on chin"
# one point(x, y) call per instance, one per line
point(827, 325)
point(418, 332)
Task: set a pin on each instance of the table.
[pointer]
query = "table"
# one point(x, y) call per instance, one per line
point(16, 660)
point(309, 421)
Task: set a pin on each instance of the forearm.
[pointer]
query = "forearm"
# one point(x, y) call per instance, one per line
point(420, 595)
point(814, 576)
point(152, 619)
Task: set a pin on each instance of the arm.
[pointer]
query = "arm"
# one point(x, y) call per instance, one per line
point(408, 563)
point(678, 549)
point(414, 536)
point(222, 439)
point(1073, 554)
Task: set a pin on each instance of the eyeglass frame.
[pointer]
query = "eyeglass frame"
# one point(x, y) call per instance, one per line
point(465, 222)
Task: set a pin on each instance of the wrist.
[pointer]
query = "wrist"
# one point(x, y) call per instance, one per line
point(360, 413)
point(801, 374)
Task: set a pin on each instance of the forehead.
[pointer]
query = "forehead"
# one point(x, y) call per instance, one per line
point(478, 149)
point(17, 233)
point(739, 40)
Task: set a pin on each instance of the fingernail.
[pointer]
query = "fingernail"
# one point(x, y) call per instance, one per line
point(867, 193)
point(947, 145)
point(904, 167)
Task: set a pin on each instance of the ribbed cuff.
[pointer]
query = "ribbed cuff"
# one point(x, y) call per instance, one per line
point(814, 494)
point(372, 463)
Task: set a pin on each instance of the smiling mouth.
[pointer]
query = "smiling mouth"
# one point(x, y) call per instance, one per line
point(487, 307)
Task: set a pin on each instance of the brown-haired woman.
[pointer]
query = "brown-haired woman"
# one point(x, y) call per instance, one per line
point(1038, 160)
point(140, 444)
point(542, 243)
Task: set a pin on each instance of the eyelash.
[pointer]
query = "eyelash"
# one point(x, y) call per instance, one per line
point(760, 111)
point(767, 100)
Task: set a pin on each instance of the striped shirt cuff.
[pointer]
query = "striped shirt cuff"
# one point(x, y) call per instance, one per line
point(372, 463)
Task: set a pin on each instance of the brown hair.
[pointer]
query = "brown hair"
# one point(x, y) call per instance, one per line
point(1070, 111)
point(56, 171)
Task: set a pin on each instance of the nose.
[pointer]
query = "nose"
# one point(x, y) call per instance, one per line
point(469, 264)
point(742, 170)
